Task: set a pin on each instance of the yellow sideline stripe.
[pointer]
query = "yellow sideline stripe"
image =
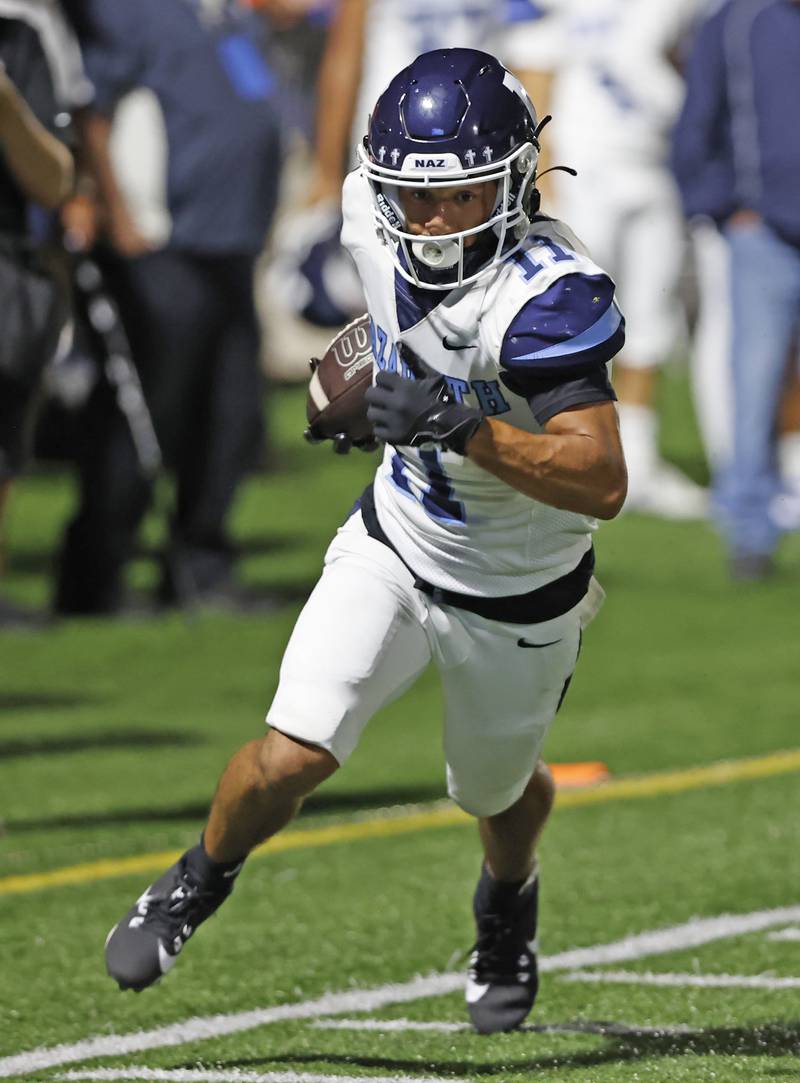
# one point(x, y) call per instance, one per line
point(401, 823)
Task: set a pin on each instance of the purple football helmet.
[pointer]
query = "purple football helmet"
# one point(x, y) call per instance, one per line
point(453, 116)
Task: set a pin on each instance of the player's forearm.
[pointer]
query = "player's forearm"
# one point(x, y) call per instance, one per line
point(539, 85)
point(41, 166)
point(576, 472)
point(337, 89)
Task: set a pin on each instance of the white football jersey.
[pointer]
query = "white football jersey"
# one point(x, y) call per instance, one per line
point(617, 90)
point(455, 524)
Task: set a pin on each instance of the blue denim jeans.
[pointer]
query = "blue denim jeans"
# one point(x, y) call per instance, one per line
point(765, 302)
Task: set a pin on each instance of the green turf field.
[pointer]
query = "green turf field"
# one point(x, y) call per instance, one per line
point(112, 735)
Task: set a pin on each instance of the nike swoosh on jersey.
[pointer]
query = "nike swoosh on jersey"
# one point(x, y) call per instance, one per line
point(458, 346)
point(537, 646)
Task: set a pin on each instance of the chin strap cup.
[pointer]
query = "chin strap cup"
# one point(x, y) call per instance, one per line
point(437, 255)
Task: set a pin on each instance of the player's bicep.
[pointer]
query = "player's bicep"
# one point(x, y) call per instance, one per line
point(549, 394)
point(597, 419)
point(597, 422)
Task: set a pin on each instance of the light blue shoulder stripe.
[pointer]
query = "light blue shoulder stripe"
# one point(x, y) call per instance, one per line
point(599, 332)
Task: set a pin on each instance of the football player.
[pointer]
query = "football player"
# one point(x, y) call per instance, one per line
point(492, 334)
point(309, 274)
point(615, 93)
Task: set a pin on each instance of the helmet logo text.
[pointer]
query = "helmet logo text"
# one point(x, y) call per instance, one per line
point(387, 210)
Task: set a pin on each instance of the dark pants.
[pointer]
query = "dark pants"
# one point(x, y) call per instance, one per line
point(194, 335)
point(31, 316)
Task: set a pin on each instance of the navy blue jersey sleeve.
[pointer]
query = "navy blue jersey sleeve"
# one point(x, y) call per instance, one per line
point(571, 328)
point(550, 395)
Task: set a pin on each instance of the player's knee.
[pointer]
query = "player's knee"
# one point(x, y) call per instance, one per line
point(542, 787)
point(294, 767)
point(481, 801)
point(478, 799)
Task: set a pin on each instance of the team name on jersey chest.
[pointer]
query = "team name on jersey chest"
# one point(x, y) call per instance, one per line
point(487, 394)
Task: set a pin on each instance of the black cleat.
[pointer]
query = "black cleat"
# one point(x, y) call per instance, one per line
point(503, 978)
point(145, 944)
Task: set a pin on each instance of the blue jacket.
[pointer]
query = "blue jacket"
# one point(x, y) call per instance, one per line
point(737, 141)
point(215, 93)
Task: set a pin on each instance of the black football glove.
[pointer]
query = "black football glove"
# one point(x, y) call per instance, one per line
point(341, 441)
point(419, 411)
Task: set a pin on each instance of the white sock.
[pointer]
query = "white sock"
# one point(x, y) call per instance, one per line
point(639, 431)
point(789, 458)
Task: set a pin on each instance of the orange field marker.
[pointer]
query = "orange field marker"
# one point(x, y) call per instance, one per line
point(574, 776)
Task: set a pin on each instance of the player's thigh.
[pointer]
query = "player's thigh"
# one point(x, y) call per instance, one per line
point(499, 705)
point(652, 253)
point(357, 644)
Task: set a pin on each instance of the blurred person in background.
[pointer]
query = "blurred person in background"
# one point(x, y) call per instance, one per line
point(736, 155)
point(710, 369)
point(311, 274)
point(607, 68)
point(36, 167)
point(180, 240)
point(367, 39)
point(785, 506)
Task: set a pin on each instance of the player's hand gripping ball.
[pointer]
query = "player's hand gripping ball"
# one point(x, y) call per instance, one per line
point(336, 408)
point(420, 410)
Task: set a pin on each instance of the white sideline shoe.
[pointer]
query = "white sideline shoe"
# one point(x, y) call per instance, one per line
point(667, 493)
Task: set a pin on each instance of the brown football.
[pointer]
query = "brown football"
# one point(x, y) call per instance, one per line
point(338, 383)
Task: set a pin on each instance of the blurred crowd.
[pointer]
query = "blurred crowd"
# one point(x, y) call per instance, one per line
point(169, 216)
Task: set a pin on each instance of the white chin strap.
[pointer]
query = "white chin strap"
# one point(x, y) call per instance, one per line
point(436, 254)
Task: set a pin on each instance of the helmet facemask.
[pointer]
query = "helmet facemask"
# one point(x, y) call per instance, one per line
point(443, 262)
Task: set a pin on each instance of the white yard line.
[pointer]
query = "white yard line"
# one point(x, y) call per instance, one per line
point(217, 1026)
point(582, 1027)
point(792, 933)
point(679, 981)
point(393, 1025)
point(214, 1075)
point(690, 934)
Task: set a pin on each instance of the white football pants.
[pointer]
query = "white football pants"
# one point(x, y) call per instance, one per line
point(365, 635)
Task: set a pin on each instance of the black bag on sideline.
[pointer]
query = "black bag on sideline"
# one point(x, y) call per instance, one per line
point(30, 314)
